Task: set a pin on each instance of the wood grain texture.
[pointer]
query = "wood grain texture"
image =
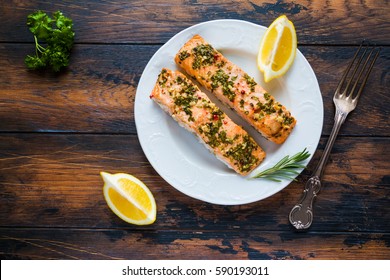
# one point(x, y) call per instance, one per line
point(184, 244)
point(53, 181)
point(58, 131)
point(101, 82)
point(319, 22)
point(95, 94)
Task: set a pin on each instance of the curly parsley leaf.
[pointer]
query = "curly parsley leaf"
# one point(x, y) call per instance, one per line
point(39, 24)
point(58, 35)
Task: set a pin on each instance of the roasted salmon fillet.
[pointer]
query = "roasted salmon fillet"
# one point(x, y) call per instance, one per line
point(192, 109)
point(237, 89)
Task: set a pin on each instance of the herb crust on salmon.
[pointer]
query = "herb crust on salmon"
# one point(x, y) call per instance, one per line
point(234, 87)
point(192, 109)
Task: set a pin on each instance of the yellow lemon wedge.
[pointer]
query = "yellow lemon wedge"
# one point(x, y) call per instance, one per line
point(129, 198)
point(277, 49)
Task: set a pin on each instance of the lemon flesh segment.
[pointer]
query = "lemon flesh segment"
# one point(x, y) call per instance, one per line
point(129, 198)
point(284, 49)
point(267, 50)
point(125, 207)
point(277, 49)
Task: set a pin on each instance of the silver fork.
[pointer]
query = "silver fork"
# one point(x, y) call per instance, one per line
point(345, 99)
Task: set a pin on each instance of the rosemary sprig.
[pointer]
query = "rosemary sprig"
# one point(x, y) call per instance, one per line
point(285, 168)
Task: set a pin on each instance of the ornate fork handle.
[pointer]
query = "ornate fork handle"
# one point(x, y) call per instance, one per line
point(345, 100)
point(301, 215)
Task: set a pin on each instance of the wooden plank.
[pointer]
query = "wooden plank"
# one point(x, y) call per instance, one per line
point(51, 180)
point(96, 93)
point(322, 22)
point(186, 244)
point(370, 116)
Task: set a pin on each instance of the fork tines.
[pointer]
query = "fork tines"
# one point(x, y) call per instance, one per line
point(361, 66)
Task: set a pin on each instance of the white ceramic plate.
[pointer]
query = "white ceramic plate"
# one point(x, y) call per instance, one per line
point(186, 164)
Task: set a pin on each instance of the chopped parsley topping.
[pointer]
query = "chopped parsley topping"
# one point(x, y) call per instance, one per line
point(179, 80)
point(258, 116)
point(162, 79)
point(242, 154)
point(224, 138)
point(215, 134)
point(203, 55)
point(220, 78)
point(183, 55)
point(250, 81)
point(287, 120)
point(221, 64)
point(186, 98)
point(213, 130)
point(267, 107)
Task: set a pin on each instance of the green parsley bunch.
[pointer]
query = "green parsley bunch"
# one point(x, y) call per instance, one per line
point(57, 33)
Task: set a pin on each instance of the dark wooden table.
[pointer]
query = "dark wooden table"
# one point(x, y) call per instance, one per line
point(58, 131)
